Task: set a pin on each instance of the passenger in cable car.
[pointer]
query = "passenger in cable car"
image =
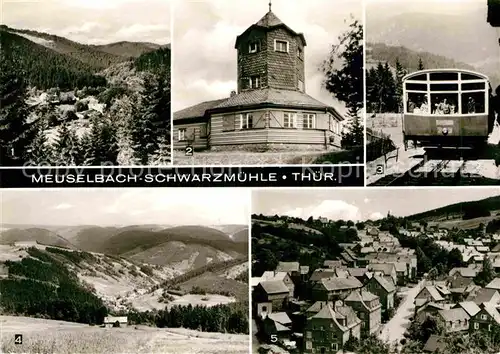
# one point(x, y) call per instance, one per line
point(471, 105)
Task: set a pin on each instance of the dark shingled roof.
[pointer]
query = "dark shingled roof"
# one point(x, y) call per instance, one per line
point(197, 111)
point(435, 343)
point(275, 97)
point(269, 20)
point(274, 287)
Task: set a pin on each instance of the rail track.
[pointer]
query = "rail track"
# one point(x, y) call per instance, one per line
point(443, 168)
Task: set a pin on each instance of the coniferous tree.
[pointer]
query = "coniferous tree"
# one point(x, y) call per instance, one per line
point(40, 151)
point(400, 73)
point(346, 83)
point(15, 132)
point(420, 64)
point(66, 148)
point(152, 120)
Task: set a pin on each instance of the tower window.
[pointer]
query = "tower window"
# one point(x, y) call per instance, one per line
point(280, 46)
point(299, 53)
point(253, 47)
point(254, 82)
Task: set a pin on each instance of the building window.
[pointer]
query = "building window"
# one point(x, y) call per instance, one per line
point(308, 335)
point(299, 53)
point(308, 121)
point(254, 82)
point(253, 47)
point(301, 85)
point(280, 46)
point(289, 120)
point(246, 121)
point(182, 134)
point(489, 327)
point(309, 345)
point(476, 325)
point(484, 317)
point(204, 131)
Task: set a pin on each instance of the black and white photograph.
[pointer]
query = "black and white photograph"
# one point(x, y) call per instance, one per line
point(85, 83)
point(376, 270)
point(432, 93)
point(268, 82)
point(126, 270)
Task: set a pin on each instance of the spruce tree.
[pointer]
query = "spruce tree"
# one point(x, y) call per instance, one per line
point(40, 151)
point(66, 148)
point(420, 64)
point(15, 132)
point(346, 83)
point(400, 73)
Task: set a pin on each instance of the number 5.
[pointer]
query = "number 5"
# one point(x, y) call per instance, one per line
point(274, 338)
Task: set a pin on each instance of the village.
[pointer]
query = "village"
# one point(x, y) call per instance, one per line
point(373, 290)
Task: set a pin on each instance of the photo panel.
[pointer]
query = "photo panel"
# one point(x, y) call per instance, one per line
point(375, 270)
point(125, 270)
point(280, 82)
point(85, 83)
point(432, 93)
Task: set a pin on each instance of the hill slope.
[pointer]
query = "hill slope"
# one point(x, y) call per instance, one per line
point(459, 209)
point(42, 236)
point(127, 49)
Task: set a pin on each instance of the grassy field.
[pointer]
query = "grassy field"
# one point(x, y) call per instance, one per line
point(47, 336)
point(468, 224)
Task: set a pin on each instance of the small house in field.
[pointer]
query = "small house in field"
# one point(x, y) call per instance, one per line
point(115, 321)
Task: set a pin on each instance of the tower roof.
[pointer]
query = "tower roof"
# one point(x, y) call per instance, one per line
point(269, 22)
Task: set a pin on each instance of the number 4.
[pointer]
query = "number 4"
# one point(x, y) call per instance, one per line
point(18, 338)
point(274, 338)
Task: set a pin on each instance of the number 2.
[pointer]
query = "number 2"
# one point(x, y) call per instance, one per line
point(189, 151)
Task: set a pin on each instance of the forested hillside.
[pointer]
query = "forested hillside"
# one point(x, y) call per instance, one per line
point(66, 103)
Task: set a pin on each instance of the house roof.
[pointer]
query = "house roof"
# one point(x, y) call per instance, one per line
point(435, 343)
point(389, 287)
point(319, 274)
point(470, 307)
point(304, 269)
point(361, 296)
point(483, 295)
point(341, 283)
point(385, 268)
point(436, 296)
point(428, 304)
point(113, 319)
point(280, 317)
point(332, 264)
point(400, 266)
point(288, 267)
point(494, 284)
point(197, 111)
point(317, 306)
point(274, 287)
point(275, 98)
point(254, 281)
point(357, 272)
point(453, 315)
point(492, 311)
point(460, 282)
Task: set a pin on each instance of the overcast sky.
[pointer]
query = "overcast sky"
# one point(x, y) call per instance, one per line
point(204, 57)
point(122, 206)
point(389, 8)
point(92, 21)
point(360, 204)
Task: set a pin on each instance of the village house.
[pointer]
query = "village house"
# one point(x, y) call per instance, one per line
point(332, 264)
point(368, 308)
point(428, 293)
point(283, 276)
point(454, 320)
point(277, 324)
point(332, 289)
point(384, 269)
point(470, 307)
point(291, 268)
point(359, 273)
point(329, 329)
point(485, 295)
point(383, 289)
point(270, 296)
point(485, 318)
point(270, 107)
point(494, 284)
point(115, 321)
point(429, 309)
